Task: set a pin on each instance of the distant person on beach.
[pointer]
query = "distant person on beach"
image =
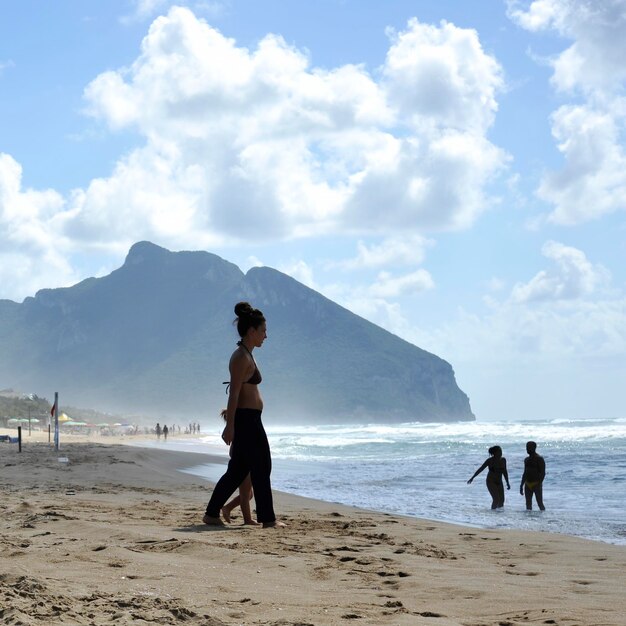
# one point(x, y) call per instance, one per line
point(243, 499)
point(532, 478)
point(165, 431)
point(250, 452)
point(158, 430)
point(497, 469)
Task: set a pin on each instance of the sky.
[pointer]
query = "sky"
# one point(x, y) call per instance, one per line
point(452, 171)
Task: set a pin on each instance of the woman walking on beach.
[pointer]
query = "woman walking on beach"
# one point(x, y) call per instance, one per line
point(497, 469)
point(250, 452)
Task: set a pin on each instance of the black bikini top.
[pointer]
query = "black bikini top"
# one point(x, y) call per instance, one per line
point(256, 377)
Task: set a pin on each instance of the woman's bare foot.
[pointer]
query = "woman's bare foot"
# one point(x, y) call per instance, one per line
point(212, 521)
point(251, 522)
point(226, 514)
point(274, 524)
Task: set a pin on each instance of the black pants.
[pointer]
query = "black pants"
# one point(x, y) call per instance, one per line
point(250, 454)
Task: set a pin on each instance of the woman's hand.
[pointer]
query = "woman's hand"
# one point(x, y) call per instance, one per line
point(228, 434)
point(508, 486)
point(469, 482)
point(521, 490)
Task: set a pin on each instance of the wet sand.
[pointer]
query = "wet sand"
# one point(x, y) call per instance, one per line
point(114, 536)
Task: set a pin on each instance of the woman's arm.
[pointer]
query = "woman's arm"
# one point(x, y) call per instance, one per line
point(478, 471)
point(505, 473)
point(521, 485)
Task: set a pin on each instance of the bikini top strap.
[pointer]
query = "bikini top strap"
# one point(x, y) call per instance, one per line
point(227, 382)
point(243, 345)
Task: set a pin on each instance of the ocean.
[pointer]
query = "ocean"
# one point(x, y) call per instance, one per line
point(422, 470)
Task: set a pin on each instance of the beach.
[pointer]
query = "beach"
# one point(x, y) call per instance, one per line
point(113, 534)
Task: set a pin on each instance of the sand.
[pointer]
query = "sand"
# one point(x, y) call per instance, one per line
point(114, 536)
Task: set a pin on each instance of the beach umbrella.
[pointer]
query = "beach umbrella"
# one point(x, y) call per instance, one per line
point(105, 424)
point(13, 420)
point(74, 423)
point(64, 417)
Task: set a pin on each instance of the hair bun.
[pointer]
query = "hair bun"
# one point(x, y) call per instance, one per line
point(243, 308)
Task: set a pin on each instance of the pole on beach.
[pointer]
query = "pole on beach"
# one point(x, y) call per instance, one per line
point(19, 438)
point(48, 433)
point(29, 420)
point(56, 420)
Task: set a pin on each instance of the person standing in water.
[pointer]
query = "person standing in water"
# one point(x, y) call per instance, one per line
point(250, 452)
point(497, 469)
point(532, 478)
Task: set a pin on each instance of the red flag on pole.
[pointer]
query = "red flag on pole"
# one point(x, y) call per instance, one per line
point(54, 406)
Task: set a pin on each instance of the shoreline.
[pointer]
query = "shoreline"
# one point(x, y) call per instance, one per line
point(115, 534)
point(512, 518)
point(217, 456)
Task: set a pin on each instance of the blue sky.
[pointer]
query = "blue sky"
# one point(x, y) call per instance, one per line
point(453, 171)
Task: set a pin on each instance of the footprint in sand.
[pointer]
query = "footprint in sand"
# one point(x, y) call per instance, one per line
point(393, 604)
point(347, 549)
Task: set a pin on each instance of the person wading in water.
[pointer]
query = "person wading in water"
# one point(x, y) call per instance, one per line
point(497, 470)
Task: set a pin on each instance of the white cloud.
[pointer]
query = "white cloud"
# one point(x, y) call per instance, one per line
point(592, 181)
point(33, 253)
point(389, 286)
point(283, 149)
point(151, 195)
point(392, 251)
point(573, 276)
point(524, 336)
point(533, 332)
point(359, 300)
point(441, 76)
point(595, 60)
point(252, 261)
point(301, 271)
point(259, 144)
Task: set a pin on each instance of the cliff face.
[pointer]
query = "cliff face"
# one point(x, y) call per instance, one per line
point(155, 336)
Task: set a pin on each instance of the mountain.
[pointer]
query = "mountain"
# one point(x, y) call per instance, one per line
point(155, 335)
